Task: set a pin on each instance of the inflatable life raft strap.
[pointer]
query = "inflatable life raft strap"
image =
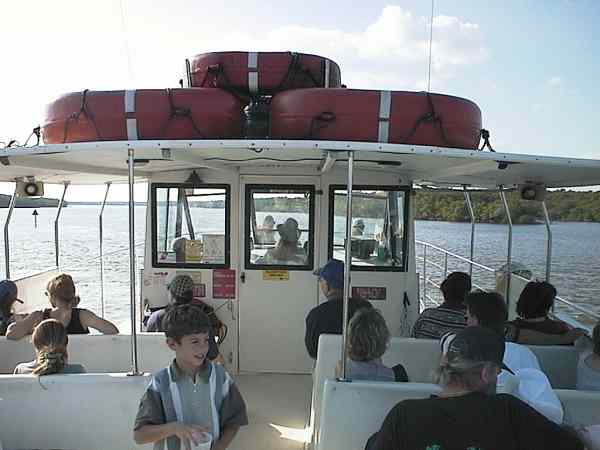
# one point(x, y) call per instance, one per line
point(485, 135)
point(294, 69)
point(319, 122)
point(430, 117)
point(177, 112)
point(83, 109)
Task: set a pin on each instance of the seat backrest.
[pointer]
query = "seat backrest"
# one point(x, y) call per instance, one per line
point(419, 357)
point(90, 411)
point(97, 353)
point(559, 363)
point(352, 412)
point(580, 407)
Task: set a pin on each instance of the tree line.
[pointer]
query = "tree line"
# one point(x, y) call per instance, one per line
point(563, 205)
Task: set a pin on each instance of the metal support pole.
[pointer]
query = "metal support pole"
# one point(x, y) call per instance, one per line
point(509, 251)
point(445, 265)
point(548, 242)
point(424, 273)
point(11, 207)
point(56, 223)
point(134, 352)
point(348, 263)
point(472, 215)
point(101, 229)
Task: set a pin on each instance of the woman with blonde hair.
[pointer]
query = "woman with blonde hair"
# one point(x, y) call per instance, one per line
point(63, 299)
point(368, 340)
point(50, 340)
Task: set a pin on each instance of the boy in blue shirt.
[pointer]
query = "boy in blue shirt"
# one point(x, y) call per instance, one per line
point(193, 395)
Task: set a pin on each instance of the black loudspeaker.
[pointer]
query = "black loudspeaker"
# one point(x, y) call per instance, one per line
point(531, 191)
point(30, 189)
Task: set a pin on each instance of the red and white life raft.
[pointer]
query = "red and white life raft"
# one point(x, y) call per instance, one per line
point(262, 73)
point(143, 114)
point(416, 118)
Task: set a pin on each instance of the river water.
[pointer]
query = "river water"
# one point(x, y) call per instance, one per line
point(575, 269)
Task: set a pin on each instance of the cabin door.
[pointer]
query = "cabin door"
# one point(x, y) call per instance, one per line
point(277, 285)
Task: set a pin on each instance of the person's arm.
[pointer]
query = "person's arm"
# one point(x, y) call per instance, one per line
point(531, 337)
point(227, 435)
point(187, 434)
point(533, 430)
point(232, 415)
point(91, 320)
point(388, 437)
point(22, 328)
point(311, 338)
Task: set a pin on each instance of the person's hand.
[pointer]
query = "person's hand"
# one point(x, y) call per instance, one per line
point(573, 334)
point(188, 434)
point(35, 317)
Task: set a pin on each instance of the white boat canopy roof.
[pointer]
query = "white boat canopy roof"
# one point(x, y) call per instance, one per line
point(100, 162)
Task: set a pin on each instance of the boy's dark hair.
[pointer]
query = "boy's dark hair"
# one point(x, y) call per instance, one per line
point(536, 299)
point(455, 287)
point(183, 320)
point(596, 339)
point(489, 308)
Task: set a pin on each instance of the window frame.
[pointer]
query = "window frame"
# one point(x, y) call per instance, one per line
point(153, 192)
point(292, 189)
point(370, 187)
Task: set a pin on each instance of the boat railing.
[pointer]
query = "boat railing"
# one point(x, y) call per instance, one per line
point(436, 257)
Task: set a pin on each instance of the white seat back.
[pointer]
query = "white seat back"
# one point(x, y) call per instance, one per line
point(97, 353)
point(352, 412)
point(420, 358)
point(85, 412)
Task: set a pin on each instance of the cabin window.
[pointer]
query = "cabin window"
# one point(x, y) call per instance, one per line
point(279, 227)
point(190, 225)
point(379, 223)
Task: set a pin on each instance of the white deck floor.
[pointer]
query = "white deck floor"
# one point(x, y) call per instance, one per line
point(278, 411)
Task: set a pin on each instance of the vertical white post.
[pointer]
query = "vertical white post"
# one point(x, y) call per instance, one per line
point(509, 250)
point(348, 262)
point(11, 208)
point(101, 229)
point(548, 241)
point(56, 224)
point(134, 354)
point(472, 216)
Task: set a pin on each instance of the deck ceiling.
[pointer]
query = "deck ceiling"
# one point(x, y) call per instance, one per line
point(99, 162)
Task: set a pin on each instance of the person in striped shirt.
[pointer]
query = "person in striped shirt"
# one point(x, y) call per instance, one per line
point(433, 323)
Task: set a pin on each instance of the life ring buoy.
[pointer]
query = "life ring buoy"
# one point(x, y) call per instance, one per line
point(262, 73)
point(417, 118)
point(143, 114)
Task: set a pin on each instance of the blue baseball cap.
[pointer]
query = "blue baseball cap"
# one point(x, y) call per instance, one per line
point(8, 289)
point(333, 273)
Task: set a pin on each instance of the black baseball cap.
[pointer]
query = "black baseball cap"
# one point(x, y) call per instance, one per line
point(477, 344)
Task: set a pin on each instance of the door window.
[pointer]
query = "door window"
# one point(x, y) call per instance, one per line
point(379, 218)
point(279, 227)
point(190, 225)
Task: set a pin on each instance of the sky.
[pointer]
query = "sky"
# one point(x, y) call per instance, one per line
point(531, 66)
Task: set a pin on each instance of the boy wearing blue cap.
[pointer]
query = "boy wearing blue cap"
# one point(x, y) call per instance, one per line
point(327, 317)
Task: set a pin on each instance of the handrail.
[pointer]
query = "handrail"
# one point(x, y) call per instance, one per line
point(569, 303)
point(454, 255)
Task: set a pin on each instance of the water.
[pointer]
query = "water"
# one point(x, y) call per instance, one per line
point(576, 252)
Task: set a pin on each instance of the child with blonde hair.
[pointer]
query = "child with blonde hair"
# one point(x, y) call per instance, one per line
point(50, 340)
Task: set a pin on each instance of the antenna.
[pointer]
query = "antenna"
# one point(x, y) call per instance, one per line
point(126, 43)
point(430, 42)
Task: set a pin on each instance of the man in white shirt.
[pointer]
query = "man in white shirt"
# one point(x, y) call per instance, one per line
point(528, 382)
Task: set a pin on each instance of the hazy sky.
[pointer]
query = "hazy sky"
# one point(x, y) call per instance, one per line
point(532, 66)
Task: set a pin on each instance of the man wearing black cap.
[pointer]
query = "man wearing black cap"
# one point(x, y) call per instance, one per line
point(327, 317)
point(467, 414)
